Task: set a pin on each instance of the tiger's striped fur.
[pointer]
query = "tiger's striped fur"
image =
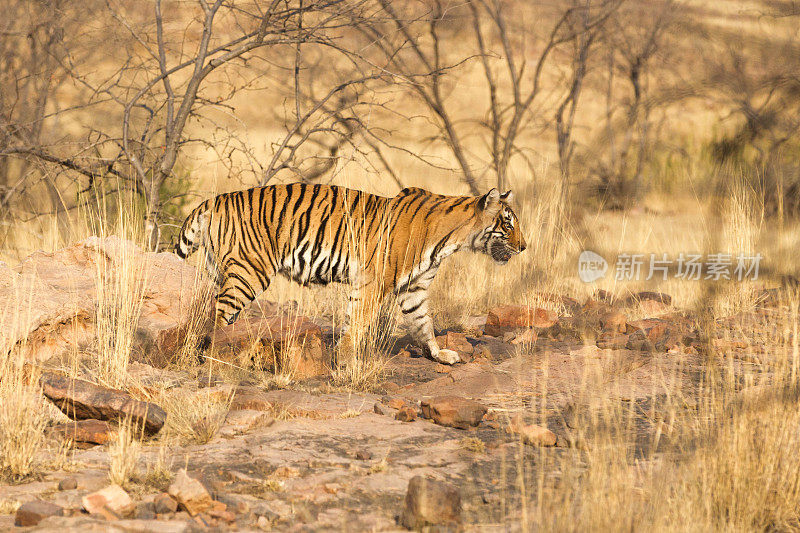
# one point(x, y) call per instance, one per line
point(321, 234)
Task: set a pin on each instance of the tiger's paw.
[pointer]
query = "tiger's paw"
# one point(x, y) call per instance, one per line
point(447, 357)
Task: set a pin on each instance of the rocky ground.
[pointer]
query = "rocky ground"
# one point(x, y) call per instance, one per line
point(428, 444)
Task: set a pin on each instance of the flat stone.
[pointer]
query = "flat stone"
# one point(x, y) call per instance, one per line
point(84, 431)
point(430, 503)
point(112, 503)
point(33, 512)
point(81, 400)
point(505, 318)
point(453, 411)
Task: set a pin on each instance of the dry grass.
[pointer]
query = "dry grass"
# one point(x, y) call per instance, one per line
point(195, 417)
point(123, 453)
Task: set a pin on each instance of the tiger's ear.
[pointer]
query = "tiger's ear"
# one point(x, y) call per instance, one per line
point(490, 202)
point(507, 197)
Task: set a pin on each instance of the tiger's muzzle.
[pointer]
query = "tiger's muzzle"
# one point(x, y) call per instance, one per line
point(502, 251)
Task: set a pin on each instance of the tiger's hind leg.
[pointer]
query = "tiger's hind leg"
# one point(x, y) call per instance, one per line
point(240, 285)
point(414, 306)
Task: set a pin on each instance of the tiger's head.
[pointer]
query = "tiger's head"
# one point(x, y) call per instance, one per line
point(498, 234)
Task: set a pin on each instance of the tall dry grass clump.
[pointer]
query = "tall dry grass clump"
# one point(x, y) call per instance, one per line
point(123, 453)
point(120, 285)
point(22, 414)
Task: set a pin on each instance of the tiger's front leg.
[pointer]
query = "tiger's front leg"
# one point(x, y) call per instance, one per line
point(414, 306)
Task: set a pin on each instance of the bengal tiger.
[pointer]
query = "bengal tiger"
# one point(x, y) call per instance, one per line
point(323, 233)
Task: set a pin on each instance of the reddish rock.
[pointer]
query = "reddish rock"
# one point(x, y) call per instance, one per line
point(653, 328)
point(63, 314)
point(191, 494)
point(84, 431)
point(397, 403)
point(288, 343)
point(406, 414)
point(112, 503)
point(532, 434)
point(430, 503)
point(507, 318)
point(613, 321)
point(453, 340)
point(453, 411)
point(165, 504)
point(33, 512)
point(660, 334)
point(81, 400)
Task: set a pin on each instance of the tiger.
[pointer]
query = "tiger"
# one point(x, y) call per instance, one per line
point(318, 234)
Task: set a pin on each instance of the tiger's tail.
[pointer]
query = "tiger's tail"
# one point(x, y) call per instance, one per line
point(190, 236)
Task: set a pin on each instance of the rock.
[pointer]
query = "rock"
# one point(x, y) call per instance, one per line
point(145, 511)
point(234, 503)
point(241, 421)
point(84, 431)
point(397, 403)
point(33, 512)
point(63, 314)
point(68, 483)
point(453, 340)
point(363, 455)
point(220, 511)
point(660, 334)
point(379, 409)
point(250, 399)
point(532, 434)
point(442, 369)
point(190, 494)
point(512, 317)
point(613, 321)
point(81, 400)
point(164, 504)
point(288, 343)
point(389, 387)
point(430, 503)
point(406, 414)
point(612, 341)
point(453, 411)
point(112, 503)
